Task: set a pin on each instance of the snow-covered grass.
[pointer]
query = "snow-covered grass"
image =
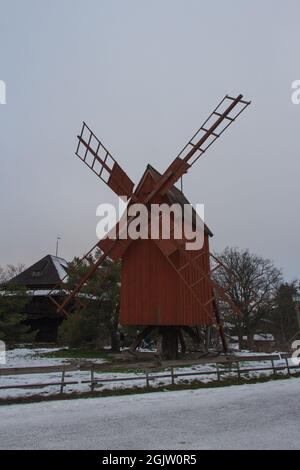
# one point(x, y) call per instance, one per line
point(253, 416)
point(24, 357)
point(35, 357)
point(30, 357)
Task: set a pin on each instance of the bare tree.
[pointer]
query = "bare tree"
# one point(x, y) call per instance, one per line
point(10, 271)
point(2, 275)
point(251, 282)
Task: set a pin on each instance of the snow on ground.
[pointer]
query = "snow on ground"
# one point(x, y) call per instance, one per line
point(31, 357)
point(26, 357)
point(252, 416)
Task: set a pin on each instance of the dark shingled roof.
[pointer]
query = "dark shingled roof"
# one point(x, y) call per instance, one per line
point(47, 272)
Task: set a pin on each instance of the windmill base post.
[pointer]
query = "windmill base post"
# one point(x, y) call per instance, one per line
point(181, 341)
point(142, 335)
point(169, 342)
point(193, 333)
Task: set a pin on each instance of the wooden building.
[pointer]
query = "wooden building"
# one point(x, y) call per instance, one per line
point(40, 313)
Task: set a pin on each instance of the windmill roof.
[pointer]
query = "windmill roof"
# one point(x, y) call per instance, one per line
point(47, 272)
point(174, 194)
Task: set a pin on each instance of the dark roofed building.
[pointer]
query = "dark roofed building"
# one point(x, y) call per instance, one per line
point(44, 274)
point(39, 279)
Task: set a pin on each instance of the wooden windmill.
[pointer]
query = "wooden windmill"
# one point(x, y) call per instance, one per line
point(163, 285)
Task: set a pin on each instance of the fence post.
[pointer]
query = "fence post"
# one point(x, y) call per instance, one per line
point(273, 366)
point(147, 379)
point(92, 378)
point(218, 372)
point(172, 376)
point(287, 366)
point(238, 370)
point(62, 381)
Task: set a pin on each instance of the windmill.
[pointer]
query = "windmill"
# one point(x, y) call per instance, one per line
point(163, 285)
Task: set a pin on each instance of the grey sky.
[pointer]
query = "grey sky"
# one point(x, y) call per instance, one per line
point(144, 75)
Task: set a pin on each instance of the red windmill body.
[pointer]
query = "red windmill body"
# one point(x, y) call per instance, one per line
point(163, 284)
point(152, 293)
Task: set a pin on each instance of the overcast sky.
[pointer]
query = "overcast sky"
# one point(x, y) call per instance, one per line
point(144, 75)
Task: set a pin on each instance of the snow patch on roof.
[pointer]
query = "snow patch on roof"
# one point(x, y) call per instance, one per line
point(60, 266)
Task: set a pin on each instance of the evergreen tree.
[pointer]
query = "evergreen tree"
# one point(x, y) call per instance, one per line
point(99, 319)
point(283, 315)
point(12, 304)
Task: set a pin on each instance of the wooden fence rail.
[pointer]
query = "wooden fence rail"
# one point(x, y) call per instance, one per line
point(219, 372)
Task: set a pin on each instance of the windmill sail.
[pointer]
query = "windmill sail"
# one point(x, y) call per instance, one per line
point(93, 153)
point(215, 125)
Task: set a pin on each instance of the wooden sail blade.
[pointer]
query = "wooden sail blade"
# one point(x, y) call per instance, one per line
point(93, 153)
point(225, 113)
point(215, 125)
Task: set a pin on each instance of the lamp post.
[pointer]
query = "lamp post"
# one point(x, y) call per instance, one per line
point(56, 253)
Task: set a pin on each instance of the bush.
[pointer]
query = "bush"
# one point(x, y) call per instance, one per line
point(83, 329)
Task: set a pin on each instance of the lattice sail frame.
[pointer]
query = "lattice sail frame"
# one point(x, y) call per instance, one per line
point(93, 153)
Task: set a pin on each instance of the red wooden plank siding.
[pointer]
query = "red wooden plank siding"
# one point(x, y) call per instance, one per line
point(152, 292)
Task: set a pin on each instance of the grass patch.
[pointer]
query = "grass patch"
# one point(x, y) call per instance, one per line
point(78, 354)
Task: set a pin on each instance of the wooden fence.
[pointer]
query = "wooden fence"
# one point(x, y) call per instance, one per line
point(222, 368)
